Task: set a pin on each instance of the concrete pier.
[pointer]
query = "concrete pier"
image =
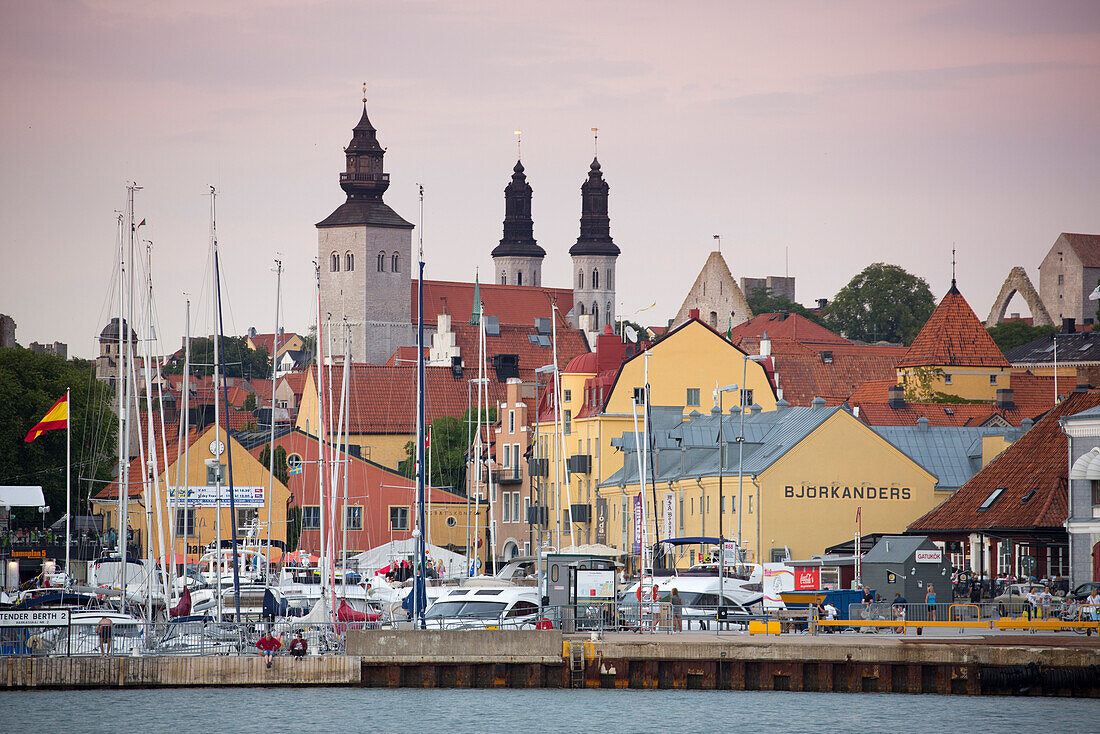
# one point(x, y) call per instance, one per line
point(1015, 665)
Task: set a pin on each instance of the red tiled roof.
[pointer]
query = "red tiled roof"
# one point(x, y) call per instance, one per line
point(512, 304)
point(1032, 397)
point(265, 341)
point(405, 355)
point(296, 381)
point(952, 336)
point(171, 440)
point(1037, 461)
point(786, 326)
point(1087, 247)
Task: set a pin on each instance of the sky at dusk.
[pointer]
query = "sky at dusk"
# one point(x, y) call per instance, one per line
point(842, 133)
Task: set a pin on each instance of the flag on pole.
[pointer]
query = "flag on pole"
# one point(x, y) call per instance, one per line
point(729, 330)
point(56, 417)
point(1095, 295)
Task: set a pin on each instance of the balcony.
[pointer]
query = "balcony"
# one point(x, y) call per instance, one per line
point(364, 177)
point(538, 515)
point(538, 467)
point(579, 464)
point(581, 513)
point(508, 475)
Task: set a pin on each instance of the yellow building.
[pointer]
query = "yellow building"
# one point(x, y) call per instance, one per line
point(597, 401)
point(195, 527)
point(954, 355)
point(806, 473)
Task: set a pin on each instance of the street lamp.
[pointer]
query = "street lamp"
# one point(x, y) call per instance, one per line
point(721, 497)
point(545, 369)
point(741, 448)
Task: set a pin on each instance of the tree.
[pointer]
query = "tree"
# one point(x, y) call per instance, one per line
point(280, 461)
point(882, 303)
point(249, 402)
point(29, 385)
point(1011, 334)
point(238, 359)
point(761, 300)
point(449, 442)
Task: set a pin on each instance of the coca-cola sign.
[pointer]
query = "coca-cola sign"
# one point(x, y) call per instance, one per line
point(806, 578)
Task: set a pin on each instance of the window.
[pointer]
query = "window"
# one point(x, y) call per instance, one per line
point(607, 314)
point(746, 398)
point(1061, 279)
point(580, 281)
point(596, 313)
point(311, 517)
point(353, 519)
point(519, 277)
point(507, 455)
point(947, 379)
point(349, 261)
point(399, 518)
point(1058, 561)
point(595, 279)
point(1095, 492)
point(511, 421)
point(382, 262)
point(568, 422)
point(395, 263)
point(607, 280)
point(516, 517)
point(779, 555)
point(185, 522)
point(515, 456)
point(506, 512)
point(526, 511)
point(750, 504)
point(566, 395)
point(565, 526)
point(334, 262)
point(581, 307)
point(714, 319)
point(991, 499)
point(294, 461)
point(992, 379)
point(504, 278)
point(693, 396)
point(245, 517)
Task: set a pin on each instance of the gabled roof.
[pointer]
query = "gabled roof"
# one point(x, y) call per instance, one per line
point(953, 336)
point(952, 454)
point(296, 381)
point(895, 548)
point(1032, 396)
point(1037, 461)
point(267, 341)
point(790, 326)
point(1081, 348)
point(1085, 246)
point(511, 304)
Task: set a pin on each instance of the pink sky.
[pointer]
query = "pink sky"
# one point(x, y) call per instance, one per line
point(848, 132)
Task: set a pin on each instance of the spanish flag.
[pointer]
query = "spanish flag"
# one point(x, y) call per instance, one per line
point(56, 417)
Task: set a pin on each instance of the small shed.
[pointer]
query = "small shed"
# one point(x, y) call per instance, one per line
point(906, 565)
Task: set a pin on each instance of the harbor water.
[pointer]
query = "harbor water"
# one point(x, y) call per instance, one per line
point(268, 710)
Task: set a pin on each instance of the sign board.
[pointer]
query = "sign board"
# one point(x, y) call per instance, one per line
point(807, 578)
point(35, 618)
point(601, 520)
point(204, 496)
point(729, 550)
point(595, 585)
point(929, 556)
point(638, 524)
point(669, 513)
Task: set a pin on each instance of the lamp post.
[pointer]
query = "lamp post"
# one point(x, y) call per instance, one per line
point(741, 447)
point(721, 497)
point(545, 369)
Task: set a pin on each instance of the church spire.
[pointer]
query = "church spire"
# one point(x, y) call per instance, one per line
point(595, 238)
point(364, 177)
point(519, 238)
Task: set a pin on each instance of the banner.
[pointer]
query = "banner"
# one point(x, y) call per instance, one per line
point(669, 505)
point(929, 556)
point(207, 496)
point(601, 520)
point(807, 578)
point(638, 524)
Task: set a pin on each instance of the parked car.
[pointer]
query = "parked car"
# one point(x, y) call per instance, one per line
point(1013, 600)
point(1082, 591)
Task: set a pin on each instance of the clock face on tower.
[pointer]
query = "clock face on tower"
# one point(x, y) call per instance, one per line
point(217, 447)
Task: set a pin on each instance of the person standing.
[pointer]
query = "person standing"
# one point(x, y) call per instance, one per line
point(106, 630)
point(677, 609)
point(930, 600)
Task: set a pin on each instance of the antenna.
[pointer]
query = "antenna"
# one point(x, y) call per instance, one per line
point(519, 143)
point(420, 233)
point(952, 264)
point(596, 142)
point(631, 334)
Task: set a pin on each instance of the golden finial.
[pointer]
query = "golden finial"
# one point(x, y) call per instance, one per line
point(596, 142)
point(364, 92)
point(519, 143)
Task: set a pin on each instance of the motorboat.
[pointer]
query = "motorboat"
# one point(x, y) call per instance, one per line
point(82, 637)
point(484, 608)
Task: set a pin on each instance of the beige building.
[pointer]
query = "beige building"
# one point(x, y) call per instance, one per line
point(1068, 274)
point(716, 296)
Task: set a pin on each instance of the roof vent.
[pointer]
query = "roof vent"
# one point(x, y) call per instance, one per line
point(492, 325)
point(896, 397)
point(781, 404)
point(818, 402)
point(1028, 495)
point(756, 408)
point(826, 357)
point(1005, 399)
point(542, 325)
point(1069, 326)
point(923, 423)
point(1026, 424)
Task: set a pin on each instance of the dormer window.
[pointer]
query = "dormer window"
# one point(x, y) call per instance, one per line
point(993, 497)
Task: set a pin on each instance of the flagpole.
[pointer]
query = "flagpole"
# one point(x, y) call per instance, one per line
point(68, 483)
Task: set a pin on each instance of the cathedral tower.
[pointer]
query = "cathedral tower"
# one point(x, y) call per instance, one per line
point(518, 259)
point(594, 254)
point(364, 251)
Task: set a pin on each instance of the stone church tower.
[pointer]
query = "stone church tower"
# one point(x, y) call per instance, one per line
point(364, 251)
point(594, 255)
point(518, 259)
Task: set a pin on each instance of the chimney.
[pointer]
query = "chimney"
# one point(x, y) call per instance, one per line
point(765, 346)
point(923, 423)
point(693, 314)
point(896, 397)
point(1004, 399)
point(818, 402)
point(1069, 326)
point(822, 303)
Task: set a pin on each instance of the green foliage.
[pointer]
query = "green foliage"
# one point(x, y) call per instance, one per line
point(280, 462)
point(249, 402)
point(642, 331)
point(238, 358)
point(29, 385)
point(449, 442)
point(1011, 334)
point(761, 301)
point(293, 528)
point(882, 303)
point(919, 383)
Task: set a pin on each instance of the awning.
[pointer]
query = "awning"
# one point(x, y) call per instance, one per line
point(22, 497)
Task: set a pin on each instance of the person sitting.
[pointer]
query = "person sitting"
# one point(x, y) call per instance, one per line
point(268, 646)
point(298, 646)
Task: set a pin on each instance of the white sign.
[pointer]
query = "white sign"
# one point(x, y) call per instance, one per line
point(35, 618)
point(929, 556)
point(595, 584)
point(729, 550)
point(208, 497)
point(670, 515)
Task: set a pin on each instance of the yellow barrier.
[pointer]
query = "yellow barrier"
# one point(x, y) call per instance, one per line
point(769, 627)
point(1020, 623)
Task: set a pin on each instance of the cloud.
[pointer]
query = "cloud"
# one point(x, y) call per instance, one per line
point(1017, 17)
point(768, 103)
point(946, 77)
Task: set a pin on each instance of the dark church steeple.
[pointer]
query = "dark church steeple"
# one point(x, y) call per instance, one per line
point(519, 237)
point(595, 237)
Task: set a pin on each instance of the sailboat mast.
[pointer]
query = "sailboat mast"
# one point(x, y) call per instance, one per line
point(217, 418)
point(419, 582)
point(154, 466)
point(269, 504)
point(345, 423)
point(321, 427)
